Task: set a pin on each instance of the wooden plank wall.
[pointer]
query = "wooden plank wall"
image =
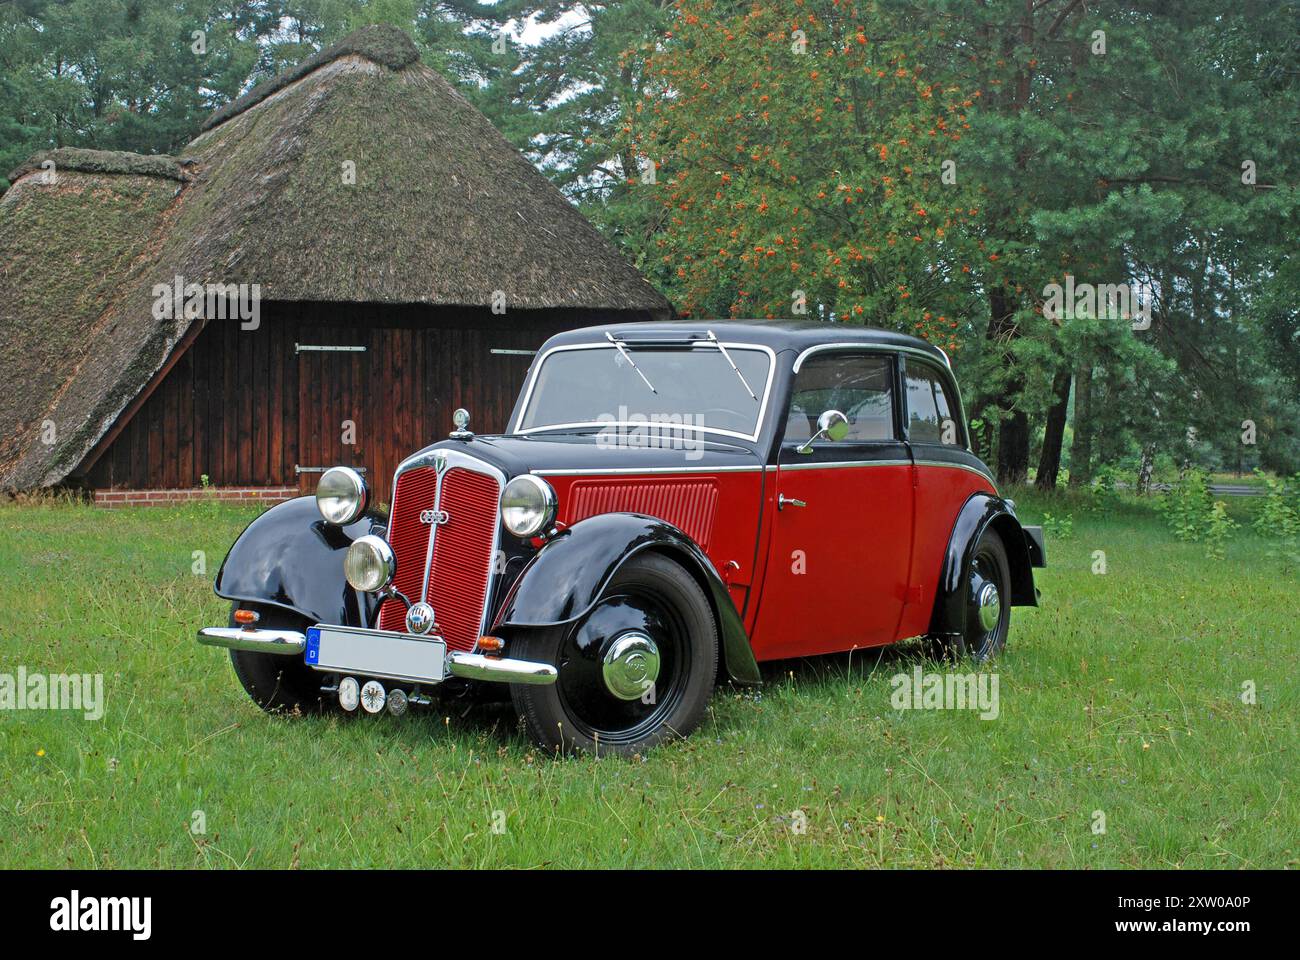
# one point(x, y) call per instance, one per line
point(235, 405)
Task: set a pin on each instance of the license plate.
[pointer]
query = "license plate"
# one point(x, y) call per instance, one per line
point(376, 653)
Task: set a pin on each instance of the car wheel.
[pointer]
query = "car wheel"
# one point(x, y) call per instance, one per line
point(637, 670)
point(279, 684)
point(988, 600)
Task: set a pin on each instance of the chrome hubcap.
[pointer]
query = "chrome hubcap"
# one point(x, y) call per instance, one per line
point(630, 666)
point(990, 606)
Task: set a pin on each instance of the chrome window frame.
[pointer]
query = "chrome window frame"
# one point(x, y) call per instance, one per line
point(914, 351)
point(759, 423)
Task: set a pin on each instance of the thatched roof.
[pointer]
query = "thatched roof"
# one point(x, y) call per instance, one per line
point(68, 247)
point(443, 211)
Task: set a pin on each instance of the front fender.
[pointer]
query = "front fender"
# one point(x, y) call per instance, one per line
point(978, 514)
point(289, 557)
point(569, 575)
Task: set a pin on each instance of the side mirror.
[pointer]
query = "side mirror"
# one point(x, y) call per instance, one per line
point(832, 425)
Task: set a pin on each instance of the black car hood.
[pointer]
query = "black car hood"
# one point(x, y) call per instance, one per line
point(572, 453)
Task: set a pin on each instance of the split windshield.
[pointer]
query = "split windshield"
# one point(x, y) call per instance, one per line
point(693, 388)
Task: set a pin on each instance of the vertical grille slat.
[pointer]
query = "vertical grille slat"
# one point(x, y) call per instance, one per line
point(460, 574)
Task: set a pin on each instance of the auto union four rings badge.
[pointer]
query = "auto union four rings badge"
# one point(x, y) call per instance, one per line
point(434, 517)
point(419, 619)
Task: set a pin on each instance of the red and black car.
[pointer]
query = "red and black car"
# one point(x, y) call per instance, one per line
point(671, 505)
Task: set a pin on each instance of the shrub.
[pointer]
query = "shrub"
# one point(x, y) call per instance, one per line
point(1058, 528)
point(1217, 530)
point(1280, 514)
point(1187, 506)
point(1103, 490)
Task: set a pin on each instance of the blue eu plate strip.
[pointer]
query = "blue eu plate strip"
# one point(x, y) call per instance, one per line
point(313, 645)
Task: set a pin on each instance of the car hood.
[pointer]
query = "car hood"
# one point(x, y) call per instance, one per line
point(515, 455)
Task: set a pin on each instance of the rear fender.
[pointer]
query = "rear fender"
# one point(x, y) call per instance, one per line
point(569, 575)
point(982, 512)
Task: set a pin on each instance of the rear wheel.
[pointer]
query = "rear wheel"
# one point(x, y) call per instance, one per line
point(988, 602)
point(637, 670)
point(279, 684)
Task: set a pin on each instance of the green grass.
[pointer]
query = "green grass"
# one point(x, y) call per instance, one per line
point(1120, 694)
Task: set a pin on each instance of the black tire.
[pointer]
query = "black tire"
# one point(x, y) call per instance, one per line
point(279, 684)
point(650, 596)
point(989, 567)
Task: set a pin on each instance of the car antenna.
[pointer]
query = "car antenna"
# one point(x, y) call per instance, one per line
point(628, 357)
point(718, 343)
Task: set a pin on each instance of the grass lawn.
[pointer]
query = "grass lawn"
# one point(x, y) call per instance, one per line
point(1121, 694)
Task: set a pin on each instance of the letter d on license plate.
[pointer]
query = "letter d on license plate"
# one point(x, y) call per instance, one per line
point(376, 653)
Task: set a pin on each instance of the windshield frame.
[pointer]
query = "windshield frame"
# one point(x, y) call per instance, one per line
point(700, 346)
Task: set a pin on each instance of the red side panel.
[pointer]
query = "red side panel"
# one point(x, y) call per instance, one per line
point(941, 492)
point(687, 504)
point(719, 511)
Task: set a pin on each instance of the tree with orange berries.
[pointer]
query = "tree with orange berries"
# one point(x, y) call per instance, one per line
point(799, 163)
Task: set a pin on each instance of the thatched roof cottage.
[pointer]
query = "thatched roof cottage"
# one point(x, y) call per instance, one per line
point(343, 256)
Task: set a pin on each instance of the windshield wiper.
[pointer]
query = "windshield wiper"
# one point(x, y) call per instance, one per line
point(718, 343)
point(628, 357)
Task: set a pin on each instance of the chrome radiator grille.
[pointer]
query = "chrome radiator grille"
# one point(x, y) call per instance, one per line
point(443, 531)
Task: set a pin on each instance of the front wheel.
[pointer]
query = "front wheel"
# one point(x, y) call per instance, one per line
point(637, 670)
point(279, 684)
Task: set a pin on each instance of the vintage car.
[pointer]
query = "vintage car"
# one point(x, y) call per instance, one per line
point(671, 505)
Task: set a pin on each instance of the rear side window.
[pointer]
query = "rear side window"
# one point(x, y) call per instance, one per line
point(860, 386)
point(930, 411)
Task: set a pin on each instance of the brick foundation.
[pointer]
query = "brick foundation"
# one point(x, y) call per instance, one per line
point(162, 498)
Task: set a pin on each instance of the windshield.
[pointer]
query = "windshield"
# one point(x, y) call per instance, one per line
point(653, 387)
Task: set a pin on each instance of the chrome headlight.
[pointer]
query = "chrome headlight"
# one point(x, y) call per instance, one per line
point(341, 495)
point(527, 506)
point(369, 564)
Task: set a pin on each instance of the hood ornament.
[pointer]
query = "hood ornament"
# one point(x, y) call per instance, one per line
point(461, 419)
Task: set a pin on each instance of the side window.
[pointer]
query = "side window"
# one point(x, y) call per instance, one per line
point(860, 386)
point(931, 418)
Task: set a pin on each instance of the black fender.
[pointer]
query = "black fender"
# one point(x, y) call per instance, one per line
point(568, 576)
point(978, 514)
point(289, 557)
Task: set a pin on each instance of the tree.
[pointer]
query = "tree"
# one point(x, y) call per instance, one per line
point(798, 156)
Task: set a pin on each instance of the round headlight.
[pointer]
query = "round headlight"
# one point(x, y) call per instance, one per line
point(369, 564)
point(341, 495)
point(527, 506)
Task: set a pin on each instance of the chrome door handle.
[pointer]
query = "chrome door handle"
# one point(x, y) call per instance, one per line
point(782, 502)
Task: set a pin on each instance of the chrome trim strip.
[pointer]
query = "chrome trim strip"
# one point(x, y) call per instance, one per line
point(285, 643)
point(519, 429)
point(838, 464)
point(456, 458)
point(474, 666)
point(958, 466)
point(860, 348)
point(636, 471)
point(433, 530)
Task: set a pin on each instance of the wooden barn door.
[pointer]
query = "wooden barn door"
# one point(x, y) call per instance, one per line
point(334, 411)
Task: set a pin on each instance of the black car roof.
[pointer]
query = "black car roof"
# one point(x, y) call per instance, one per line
point(780, 335)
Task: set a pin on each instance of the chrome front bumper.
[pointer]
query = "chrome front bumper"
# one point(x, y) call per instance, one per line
point(284, 643)
point(470, 666)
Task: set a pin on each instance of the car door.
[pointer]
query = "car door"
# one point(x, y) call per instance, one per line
point(841, 539)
